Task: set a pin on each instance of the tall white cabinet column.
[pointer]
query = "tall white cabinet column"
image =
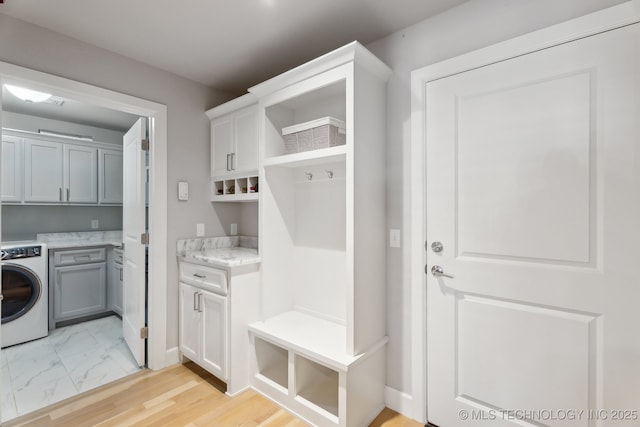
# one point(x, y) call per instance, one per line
point(319, 347)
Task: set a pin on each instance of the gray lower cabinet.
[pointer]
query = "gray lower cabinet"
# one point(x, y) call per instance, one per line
point(80, 283)
point(116, 288)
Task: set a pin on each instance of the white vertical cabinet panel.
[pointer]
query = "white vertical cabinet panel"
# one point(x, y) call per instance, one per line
point(221, 145)
point(43, 171)
point(80, 174)
point(109, 176)
point(189, 322)
point(245, 152)
point(11, 169)
point(213, 309)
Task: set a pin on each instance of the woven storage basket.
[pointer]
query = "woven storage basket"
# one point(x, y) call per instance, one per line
point(321, 133)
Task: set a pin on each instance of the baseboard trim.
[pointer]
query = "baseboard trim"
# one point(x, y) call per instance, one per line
point(398, 401)
point(172, 356)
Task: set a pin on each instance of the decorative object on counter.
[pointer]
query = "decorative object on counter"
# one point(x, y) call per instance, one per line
point(313, 135)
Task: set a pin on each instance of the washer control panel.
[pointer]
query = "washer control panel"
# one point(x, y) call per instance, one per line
point(21, 252)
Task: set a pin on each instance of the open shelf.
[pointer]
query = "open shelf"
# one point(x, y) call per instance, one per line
point(309, 158)
point(239, 189)
point(309, 336)
point(317, 385)
point(273, 363)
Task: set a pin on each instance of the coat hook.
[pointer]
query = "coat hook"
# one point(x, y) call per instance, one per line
point(309, 175)
point(329, 173)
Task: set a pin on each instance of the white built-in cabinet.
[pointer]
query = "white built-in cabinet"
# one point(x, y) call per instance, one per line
point(215, 307)
point(319, 346)
point(203, 328)
point(11, 169)
point(42, 171)
point(234, 150)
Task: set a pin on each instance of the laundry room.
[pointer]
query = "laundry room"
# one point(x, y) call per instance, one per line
point(62, 248)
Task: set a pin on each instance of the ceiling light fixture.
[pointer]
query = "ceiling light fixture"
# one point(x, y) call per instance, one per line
point(28, 95)
point(65, 135)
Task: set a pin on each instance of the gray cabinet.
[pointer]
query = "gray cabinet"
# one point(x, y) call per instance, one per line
point(11, 169)
point(43, 171)
point(116, 282)
point(79, 286)
point(110, 176)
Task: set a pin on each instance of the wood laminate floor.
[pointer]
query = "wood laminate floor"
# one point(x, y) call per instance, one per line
point(181, 395)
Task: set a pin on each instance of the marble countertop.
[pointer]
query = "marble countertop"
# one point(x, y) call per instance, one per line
point(80, 239)
point(222, 252)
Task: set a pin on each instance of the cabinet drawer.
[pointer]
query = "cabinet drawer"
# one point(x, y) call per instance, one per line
point(204, 277)
point(118, 255)
point(80, 256)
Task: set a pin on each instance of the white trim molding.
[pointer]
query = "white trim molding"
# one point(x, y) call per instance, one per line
point(173, 356)
point(398, 401)
point(607, 19)
point(157, 113)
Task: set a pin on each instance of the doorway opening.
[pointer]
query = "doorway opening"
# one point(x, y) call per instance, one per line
point(154, 207)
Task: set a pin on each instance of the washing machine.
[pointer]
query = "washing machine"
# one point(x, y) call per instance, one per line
point(25, 292)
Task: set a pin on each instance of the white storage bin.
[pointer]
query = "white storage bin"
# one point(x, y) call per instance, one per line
point(315, 134)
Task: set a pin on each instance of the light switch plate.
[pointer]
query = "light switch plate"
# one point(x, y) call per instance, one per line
point(394, 238)
point(95, 224)
point(183, 190)
point(234, 229)
point(199, 230)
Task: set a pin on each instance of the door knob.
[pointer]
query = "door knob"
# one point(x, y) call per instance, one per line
point(438, 271)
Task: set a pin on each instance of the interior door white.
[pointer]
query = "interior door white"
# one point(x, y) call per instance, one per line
point(532, 187)
point(133, 226)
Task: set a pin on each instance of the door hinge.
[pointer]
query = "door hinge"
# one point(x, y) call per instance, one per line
point(145, 145)
point(144, 238)
point(144, 333)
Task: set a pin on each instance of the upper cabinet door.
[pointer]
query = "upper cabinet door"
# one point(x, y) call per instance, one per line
point(221, 145)
point(11, 169)
point(110, 176)
point(43, 171)
point(245, 157)
point(80, 174)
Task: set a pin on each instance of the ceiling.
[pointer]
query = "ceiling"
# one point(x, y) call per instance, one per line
point(225, 44)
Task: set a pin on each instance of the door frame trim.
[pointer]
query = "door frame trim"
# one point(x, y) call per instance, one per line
point(414, 259)
point(157, 114)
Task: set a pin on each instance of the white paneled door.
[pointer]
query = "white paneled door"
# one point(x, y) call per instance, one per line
point(133, 227)
point(533, 190)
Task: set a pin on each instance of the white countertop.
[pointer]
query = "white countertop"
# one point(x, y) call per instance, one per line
point(224, 257)
point(222, 252)
point(81, 239)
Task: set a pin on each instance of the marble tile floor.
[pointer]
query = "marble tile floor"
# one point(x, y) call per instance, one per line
point(71, 360)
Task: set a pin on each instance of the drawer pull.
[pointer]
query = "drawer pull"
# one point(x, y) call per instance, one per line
point(199, 276)
point(81, 257)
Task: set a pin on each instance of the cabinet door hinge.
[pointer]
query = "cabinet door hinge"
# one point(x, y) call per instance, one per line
point(144, 333)
point(144, 238)
point(145, 145)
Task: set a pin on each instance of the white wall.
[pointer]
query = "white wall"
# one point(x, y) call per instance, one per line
point(472, 25)
point(188, 127)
